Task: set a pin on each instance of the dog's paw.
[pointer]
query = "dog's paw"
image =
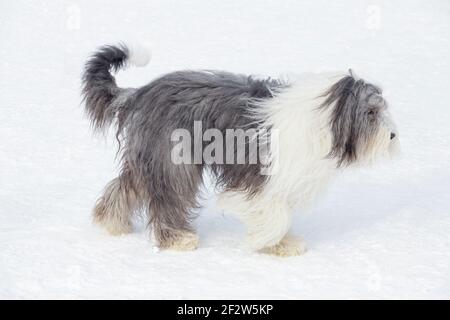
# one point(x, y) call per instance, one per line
point(182, 241)
point(118, 230)
point(115, 227)
point(287, 247)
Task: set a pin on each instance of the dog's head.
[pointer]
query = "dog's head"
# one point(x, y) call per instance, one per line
point(360, 124)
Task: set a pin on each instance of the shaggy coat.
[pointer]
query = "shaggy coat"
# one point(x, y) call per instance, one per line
point(322, 123)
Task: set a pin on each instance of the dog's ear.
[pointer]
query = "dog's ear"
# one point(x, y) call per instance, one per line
point(352, 73)
point(343, 101)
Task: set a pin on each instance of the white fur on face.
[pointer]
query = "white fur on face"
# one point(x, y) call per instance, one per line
point(381, 146)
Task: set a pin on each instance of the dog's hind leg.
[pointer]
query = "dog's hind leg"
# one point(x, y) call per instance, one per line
point(174, 237)
point(170, 209)
point(170, 225)
point(116, 206)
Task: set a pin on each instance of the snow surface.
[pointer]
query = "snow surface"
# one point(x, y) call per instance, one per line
point(380, 232)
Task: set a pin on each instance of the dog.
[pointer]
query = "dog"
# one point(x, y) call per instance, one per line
point(323, 123)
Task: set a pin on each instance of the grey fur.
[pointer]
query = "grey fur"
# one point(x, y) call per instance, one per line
point(146, 118)
point(355, 116)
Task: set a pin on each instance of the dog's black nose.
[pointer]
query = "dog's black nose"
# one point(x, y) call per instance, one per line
point(392, 135)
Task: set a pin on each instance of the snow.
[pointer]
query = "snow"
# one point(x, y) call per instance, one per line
point(380, 232)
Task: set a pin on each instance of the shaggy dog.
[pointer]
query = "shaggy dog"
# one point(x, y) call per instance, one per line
point(322, 122)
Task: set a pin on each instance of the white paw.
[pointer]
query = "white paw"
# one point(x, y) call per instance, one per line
point(287, 247)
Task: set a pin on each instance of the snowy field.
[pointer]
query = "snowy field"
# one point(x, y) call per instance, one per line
point(380, 232)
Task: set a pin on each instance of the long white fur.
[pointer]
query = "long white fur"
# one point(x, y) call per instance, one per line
point(139, 54)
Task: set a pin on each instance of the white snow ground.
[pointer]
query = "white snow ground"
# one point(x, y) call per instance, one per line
point(382, 232)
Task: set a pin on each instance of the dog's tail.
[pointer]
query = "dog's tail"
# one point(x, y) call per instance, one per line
point(102, 97)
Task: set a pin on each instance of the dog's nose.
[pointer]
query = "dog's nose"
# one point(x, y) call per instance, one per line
point(392, 135)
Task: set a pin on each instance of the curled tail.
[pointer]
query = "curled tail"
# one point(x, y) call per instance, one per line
point(101, 95)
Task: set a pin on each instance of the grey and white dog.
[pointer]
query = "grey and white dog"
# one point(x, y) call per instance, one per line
point(323, 122)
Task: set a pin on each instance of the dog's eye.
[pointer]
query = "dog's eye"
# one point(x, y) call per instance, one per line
point(371, 115)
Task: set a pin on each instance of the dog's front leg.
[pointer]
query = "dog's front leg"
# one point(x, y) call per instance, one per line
point(268, 220)
point(268, 230)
